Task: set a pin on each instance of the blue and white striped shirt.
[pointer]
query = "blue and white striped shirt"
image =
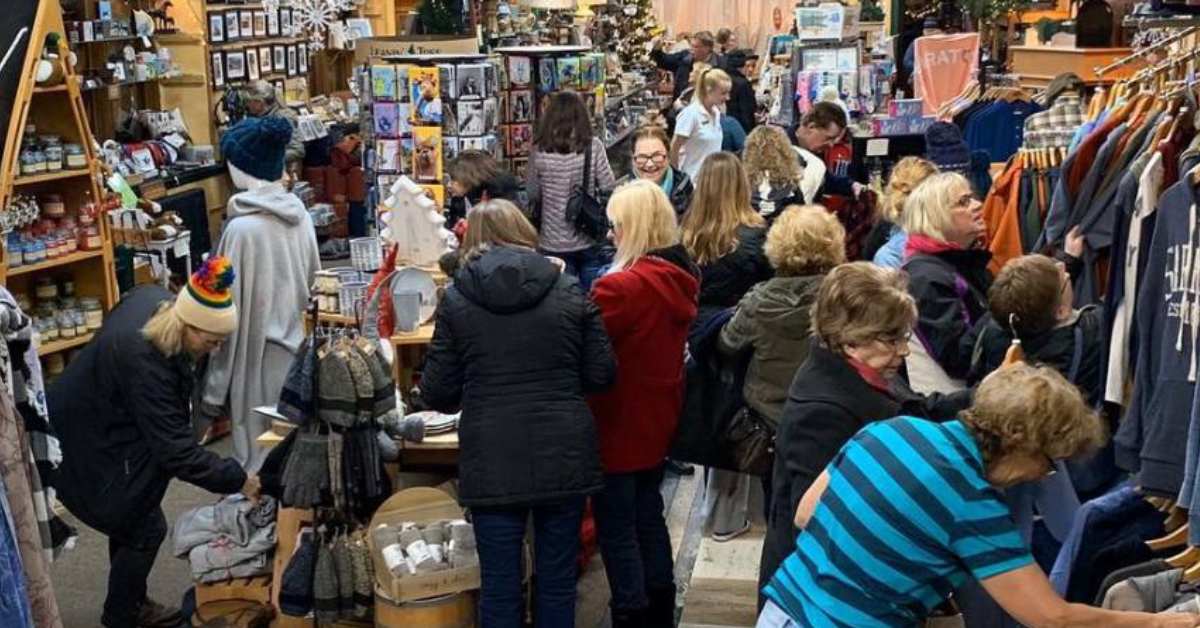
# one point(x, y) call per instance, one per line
point(907, 516)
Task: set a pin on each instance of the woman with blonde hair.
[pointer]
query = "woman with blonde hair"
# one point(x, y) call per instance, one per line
point(949, 279)
point(725, 236)
point(516, 347)
point(648, 303)
point(774, 172)
point(698, 131)
point(906, 175)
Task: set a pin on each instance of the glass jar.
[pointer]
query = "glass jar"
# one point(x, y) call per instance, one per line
point(74, 155)
point(32, 161)
point(92, 312)
point(54, 158)
point(46, 289)
point(66, 324)
point(91, 240)
point(35, 252)
point(67, 288)
point(48, 328)
point(68, 303)
point(81, 326)
point(16, 255)
point(53, 206)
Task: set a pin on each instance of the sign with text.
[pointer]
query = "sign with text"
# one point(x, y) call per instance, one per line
point(379, 47)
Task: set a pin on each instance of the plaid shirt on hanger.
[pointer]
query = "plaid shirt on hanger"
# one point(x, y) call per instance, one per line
point(1055, 126)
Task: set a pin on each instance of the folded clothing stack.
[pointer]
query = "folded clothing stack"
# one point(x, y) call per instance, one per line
point(233, 538)
point(410, 549)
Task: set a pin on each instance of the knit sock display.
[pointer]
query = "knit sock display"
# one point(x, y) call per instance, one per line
point(435, 537)
point(416, 551)
point(364, 575)
point(462, 545)
point(325, 585)
point(296, 583)
point(306, 474)
point(345, 574)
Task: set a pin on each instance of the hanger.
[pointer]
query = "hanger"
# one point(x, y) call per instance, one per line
point(1176, 538)
point(1186, 558)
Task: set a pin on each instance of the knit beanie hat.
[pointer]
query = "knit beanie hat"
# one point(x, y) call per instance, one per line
point(207, 302)
point(256, 146)
point(945, 147)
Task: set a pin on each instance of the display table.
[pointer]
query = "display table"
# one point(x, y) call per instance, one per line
point(434, 451)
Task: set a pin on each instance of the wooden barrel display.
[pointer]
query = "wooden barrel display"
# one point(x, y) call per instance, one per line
point(456, 610)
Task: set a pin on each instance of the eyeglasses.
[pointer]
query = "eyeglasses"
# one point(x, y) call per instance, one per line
point(896, 341)
point(642, 160)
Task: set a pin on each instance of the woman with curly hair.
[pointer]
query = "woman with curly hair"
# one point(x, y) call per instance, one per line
point(909, 510)
point(774, 172)
point(907, 174)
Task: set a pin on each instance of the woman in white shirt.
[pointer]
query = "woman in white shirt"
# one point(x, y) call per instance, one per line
point(698, 127)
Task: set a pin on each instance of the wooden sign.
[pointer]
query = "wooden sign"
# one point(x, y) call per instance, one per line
point(378, 47)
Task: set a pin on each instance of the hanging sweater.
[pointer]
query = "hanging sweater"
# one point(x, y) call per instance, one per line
point(1152, 438)
point(269, 238)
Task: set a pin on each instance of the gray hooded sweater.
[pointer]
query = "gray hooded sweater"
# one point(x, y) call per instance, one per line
point(269, 238)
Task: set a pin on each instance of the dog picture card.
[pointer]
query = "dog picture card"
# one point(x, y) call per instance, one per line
point(425, 88)
point(521, 104)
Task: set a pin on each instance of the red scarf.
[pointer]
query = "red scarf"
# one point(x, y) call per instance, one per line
point(871, 376)
point(923, 244)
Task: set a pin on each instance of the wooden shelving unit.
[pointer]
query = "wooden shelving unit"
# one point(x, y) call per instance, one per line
point(56, 109)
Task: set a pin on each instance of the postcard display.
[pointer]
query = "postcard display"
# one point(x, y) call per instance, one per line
point(526, 81)
point(424, 114)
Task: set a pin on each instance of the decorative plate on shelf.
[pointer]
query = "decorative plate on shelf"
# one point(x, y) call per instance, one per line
point(412, 280)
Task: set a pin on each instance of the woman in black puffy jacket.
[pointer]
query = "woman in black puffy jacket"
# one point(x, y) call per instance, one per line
point(517, 346)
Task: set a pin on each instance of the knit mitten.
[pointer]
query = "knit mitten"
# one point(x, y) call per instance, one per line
point(364, 576)
point(336, 484)
point(435, 537)
point(307, 472)
point(364, 387)
point(389, 451)
point(345, 573)
point(296, 583)
point(462, 545)
point(325, 586)
point(410, 428)
point(417, 550)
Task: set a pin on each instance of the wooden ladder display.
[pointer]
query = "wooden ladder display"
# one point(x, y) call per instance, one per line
point(56, 109)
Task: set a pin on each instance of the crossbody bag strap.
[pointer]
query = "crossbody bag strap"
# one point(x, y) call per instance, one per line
point(587, 166)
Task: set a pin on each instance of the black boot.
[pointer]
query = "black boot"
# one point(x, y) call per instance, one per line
point(629, 619)
point(661, 613)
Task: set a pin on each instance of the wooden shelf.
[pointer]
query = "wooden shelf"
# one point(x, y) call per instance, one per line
point(107, 40)
point(34, 179)
point(258, 42)
point(55, 263)
point(58, 346)
point(62, 87)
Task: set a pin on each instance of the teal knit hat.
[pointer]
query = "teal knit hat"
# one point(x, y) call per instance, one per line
point(256, 146)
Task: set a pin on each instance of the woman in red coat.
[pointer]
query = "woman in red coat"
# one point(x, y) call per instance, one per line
point(648, 302)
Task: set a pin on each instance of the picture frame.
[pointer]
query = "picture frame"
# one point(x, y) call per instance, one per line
point(260, 23)
point(279, 59)
point(285, 22)
point(232, 32)
point(246, 24)
point(218, 69)
point(252, 67)
point(280, 88)
point(216, 28)
point(272, 23)
point(235, 65)
point(302, 58)
point(293, 67)
point(264, 60)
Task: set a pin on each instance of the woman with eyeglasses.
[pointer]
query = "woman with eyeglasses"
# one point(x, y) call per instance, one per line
point(861, 319)
point(948, 278)
point(909, 510)
point(652, 161)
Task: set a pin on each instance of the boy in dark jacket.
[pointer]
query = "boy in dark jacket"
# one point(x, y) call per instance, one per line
point(1032, 297)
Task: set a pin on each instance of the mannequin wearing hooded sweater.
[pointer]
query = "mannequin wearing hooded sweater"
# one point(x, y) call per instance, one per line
point(269, 238)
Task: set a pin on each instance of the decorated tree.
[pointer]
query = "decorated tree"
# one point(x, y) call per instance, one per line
point(630, 27)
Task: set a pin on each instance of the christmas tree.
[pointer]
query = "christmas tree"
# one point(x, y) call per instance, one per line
point(630, 27)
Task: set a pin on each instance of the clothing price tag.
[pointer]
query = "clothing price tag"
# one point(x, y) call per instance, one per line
point(877, 147)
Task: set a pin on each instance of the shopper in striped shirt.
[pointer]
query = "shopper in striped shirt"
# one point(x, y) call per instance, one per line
point(910, 509)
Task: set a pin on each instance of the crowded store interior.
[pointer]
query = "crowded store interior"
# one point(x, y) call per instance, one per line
point(599, 313)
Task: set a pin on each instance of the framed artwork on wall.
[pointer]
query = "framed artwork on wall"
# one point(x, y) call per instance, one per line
point(302, 58)
point(272, 24)
point(252, 68)
point(279, 58)
point(231, 26)
point(293, 67)
point(246, 24)
point(260, 23)
point(216, 27)
point(218, 70)
point(235, 65)
point(264, 60)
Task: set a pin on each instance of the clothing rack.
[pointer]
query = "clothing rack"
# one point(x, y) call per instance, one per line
point(1126, 60)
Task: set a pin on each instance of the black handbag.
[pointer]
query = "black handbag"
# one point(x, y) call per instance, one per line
point(751, 439)
point(585, 209)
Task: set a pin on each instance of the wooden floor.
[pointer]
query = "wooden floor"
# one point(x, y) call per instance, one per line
point(717, 581)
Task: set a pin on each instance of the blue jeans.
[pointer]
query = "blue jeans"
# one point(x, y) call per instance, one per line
point(633, 537)
point(499, 532)
point(588, 265)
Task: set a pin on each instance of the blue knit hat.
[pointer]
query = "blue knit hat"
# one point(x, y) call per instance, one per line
point(256, 146)
point(945, 147)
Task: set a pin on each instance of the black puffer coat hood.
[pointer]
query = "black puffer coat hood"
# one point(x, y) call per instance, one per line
point(506, 280)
